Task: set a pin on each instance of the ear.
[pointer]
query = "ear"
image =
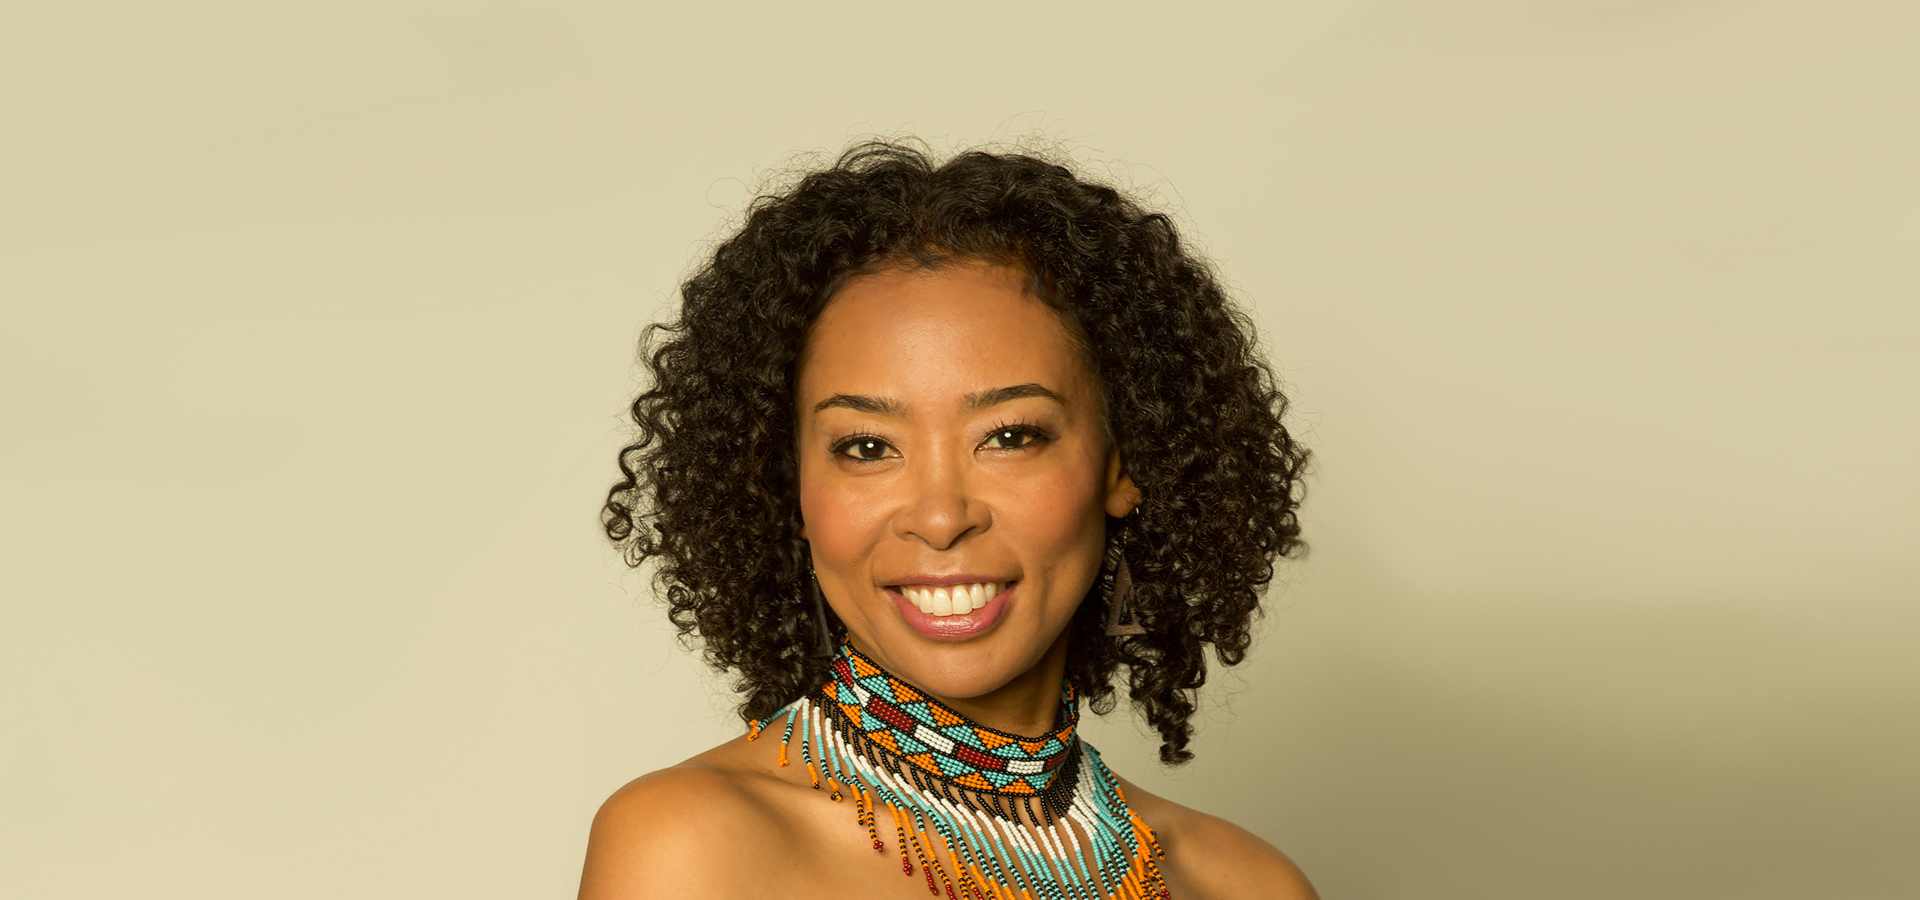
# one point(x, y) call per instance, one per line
point(1122, 494)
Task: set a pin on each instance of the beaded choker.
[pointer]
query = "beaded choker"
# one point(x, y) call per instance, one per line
point(1021, 818)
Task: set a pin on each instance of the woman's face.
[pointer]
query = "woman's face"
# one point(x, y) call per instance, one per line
point(952, 454)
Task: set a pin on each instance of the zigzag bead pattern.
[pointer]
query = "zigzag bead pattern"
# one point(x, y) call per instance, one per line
point(940, 741)
point(1024, 818)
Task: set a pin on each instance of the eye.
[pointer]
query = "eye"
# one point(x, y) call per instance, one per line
point(1013, 437)
point(862, 448)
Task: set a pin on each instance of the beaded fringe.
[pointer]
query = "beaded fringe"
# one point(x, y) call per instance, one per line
point(994, 856)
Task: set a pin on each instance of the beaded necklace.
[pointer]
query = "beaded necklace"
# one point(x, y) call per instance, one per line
point(930, 770)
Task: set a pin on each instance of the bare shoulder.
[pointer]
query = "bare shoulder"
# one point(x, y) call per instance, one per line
point(1210, 857)
point(675, 833)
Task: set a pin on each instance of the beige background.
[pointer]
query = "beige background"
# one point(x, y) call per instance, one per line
point(1600, 314)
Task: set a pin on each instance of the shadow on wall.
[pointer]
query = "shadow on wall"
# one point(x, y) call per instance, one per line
point(1528, 746)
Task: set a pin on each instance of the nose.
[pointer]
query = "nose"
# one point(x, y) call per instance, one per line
point(940, 509)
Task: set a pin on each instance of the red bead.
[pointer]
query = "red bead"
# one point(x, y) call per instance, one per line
point(906, 868)
point(877, 845)
point(930, 888)
point(950, 895)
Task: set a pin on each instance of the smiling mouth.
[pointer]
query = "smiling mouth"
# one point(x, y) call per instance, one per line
point(952, 599)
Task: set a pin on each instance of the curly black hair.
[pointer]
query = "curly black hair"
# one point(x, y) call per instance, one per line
point(710, 487)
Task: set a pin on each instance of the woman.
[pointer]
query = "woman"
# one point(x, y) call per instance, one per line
point(931, 453)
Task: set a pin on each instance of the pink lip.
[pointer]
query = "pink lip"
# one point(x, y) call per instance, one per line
point(943, 580)
point(952, 628)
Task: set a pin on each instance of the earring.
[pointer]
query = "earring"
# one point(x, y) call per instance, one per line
point(1121, 595)
point(822, 634)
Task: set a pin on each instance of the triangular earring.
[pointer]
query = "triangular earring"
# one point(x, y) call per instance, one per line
point(1122, 596)
point(822, 634)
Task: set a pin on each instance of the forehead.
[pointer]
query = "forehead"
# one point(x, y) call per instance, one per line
point(934, 333)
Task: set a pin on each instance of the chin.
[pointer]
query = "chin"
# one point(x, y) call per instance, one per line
point(964, 670)
point(960, 681)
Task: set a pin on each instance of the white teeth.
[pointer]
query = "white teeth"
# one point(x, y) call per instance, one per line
point(952, 600)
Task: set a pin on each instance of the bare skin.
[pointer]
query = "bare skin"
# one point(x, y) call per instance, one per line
point(946, 426)
point(731, 822)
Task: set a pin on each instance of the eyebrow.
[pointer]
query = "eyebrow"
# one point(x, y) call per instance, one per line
point(1000, 395)
point(884, 406)
point(887, 406)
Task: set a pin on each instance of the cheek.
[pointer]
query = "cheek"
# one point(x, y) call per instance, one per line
point(842, 525)
point(1062, 512)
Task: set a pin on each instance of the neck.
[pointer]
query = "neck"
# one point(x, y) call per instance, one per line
point(1029, 704)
